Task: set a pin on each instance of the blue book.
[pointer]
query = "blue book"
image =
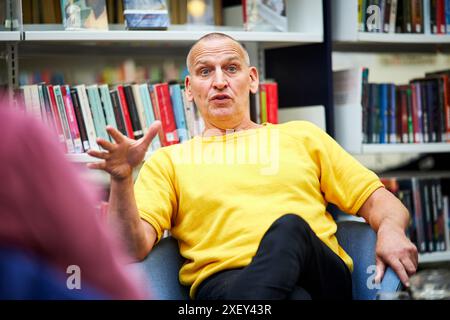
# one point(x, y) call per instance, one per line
point(107, 105)
point(97, 112)
point(383, 112)
point(178, 109)
point(149, 114)
point(393, 114)
point(447, 16)
point(426, 17)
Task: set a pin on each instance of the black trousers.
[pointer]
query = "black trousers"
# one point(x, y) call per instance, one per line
point(291, 263)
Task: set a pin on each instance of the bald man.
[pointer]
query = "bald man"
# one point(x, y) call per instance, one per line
point(246, 201)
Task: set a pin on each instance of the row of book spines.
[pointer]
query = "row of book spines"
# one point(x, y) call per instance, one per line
point(49, 11)
point(414, 113)
point(264, 105)
point(429, 211)
point(407, 16)
point(80, 114)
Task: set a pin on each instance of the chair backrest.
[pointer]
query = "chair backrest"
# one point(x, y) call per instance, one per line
point(161, 268)
point(164, 262)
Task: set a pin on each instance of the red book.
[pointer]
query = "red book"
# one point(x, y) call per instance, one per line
point(166, 114)
point(125, 112)
point(272, 102)
point(56, 117)
point(440, 17)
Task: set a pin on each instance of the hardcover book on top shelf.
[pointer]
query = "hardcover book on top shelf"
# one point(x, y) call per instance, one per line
point(265, 15)
point(84, 15)
point(146, 14)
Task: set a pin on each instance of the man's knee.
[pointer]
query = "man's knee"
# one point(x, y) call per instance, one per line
point(291, 225)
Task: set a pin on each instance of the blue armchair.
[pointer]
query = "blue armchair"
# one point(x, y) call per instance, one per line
point(162, 265)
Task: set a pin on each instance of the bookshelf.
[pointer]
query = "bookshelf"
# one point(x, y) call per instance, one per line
point(345, 29)
point(6, 36)
point(434, 257)
point(348, 115)
point(51, 42)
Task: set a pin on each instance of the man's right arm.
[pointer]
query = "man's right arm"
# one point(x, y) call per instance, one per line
point(137, 235)
point(119, 160)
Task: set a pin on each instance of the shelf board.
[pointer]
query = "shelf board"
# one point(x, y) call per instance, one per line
point(9, 35)
point(174, 34)
point(369, 37)
point(406, 148)
point(433, 257)
point(85, 158)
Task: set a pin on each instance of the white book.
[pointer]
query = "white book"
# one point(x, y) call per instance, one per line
point(87, 116)
point(139, 107)
point(446, 222)
point(393, 16)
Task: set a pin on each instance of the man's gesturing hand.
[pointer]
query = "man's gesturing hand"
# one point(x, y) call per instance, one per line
point(121, 157)
point(397, 251)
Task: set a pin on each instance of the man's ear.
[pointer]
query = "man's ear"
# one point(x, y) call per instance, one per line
point(254, 80)
point(188, 91)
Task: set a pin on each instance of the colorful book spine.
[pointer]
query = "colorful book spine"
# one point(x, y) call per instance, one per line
point(72, 120)
point(87, 116)
point(126, 114)
point(79, 118)
point(64, 121)
point(166, 112)
point(107, 105)
point(149, 114)
point(178, 109)
point(97, 112)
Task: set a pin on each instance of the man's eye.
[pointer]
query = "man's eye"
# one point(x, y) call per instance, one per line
point(204, 72)
point(232, 68)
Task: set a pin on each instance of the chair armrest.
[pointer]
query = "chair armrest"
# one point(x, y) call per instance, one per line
point(390, 283)
point(160, 270)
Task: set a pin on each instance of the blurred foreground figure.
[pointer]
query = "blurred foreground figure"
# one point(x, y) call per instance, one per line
point(52, 245)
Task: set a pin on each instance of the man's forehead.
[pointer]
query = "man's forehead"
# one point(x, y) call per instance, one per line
point(216, 48)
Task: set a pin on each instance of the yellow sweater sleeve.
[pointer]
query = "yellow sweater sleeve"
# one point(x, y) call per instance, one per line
point(155, 192)
point(344, 180)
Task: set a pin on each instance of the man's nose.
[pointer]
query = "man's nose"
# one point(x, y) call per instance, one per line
point(220, 81)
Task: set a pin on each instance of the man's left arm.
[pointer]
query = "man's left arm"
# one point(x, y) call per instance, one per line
point(390, 218)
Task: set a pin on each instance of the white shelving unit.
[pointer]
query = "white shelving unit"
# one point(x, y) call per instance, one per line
point(406, 148)
point(434, 257)
point(85, 158)
point(286, 38)
point(9, 36)
point(345, 29)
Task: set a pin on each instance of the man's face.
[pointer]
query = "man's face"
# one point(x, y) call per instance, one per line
point(220, 81)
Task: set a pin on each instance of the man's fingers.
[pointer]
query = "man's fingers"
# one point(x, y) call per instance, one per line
point(399, 269)
point(99, 154)
point(115, 134)
point(381, 267)
point(152, 132)
point(409, 266)
point(105, 144)
point(97, 165)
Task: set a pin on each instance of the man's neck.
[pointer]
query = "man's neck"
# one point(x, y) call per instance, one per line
point(212, 130)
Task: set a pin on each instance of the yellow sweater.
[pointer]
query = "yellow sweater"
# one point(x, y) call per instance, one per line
point(218, 195)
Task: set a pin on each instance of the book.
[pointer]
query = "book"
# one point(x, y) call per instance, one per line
point(265, 15)
point(84, 14)
point(146, 14)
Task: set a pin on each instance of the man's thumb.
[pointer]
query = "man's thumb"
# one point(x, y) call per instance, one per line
point(152, 132)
